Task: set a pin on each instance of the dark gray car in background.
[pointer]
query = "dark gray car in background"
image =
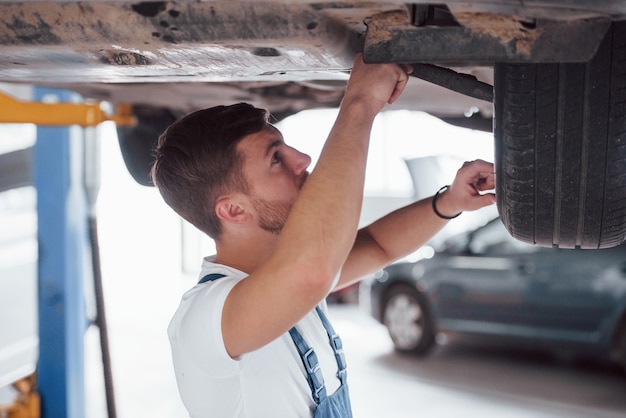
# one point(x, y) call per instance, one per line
point(485, 284)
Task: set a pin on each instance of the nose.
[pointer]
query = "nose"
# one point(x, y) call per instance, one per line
point(301, 161)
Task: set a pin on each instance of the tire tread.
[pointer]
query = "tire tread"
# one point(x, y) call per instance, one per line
point(561, 148)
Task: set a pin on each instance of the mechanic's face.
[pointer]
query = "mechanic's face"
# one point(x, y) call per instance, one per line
point(275, 173)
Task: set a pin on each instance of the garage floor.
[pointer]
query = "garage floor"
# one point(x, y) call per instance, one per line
point(456, 380)
point(465, 379)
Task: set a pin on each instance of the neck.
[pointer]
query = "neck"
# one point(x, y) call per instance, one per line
point(246, 253)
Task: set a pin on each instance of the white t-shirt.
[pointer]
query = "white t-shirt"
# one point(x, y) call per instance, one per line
point(268, 382)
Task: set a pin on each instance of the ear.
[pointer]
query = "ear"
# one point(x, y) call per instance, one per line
point(230, 209)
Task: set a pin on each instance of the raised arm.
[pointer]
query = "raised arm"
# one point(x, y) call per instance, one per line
point(408, 228)
point(322, 224)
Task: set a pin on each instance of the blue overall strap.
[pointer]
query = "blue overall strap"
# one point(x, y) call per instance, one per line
point(335, 343)
point(211, 277)
point(311, 365)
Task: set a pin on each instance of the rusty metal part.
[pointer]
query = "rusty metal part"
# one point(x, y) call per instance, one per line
point(179, 41)
point(485, 38)
point(463, 83)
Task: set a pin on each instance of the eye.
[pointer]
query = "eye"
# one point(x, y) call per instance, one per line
point(276, 158)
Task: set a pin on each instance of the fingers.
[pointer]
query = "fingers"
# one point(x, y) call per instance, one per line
point(378, 82)
point(483, 181)
point(403, 79)
point(399, 88)
point(470, 186)
point(479, 165)
point(479, 173)
point(407, 68)
point(481, 200)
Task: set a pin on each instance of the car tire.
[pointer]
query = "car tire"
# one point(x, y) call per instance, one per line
point(560, 143)
point(407, 317)
point(138, 142)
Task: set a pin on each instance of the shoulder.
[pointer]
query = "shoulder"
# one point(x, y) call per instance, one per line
point(195, 329)
point(210, 292)
point(202, 305)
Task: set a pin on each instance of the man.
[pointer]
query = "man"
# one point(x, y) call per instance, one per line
point(251, 339)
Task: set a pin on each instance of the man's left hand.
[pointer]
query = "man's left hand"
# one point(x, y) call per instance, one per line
point(469, 190)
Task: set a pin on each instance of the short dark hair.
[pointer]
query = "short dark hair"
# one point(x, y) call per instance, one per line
point(196, 161)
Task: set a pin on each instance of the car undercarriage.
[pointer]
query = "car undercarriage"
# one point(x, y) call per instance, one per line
point(548, 77)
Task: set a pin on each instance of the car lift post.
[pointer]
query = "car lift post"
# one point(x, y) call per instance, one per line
point(67, 180)
point(62, 234)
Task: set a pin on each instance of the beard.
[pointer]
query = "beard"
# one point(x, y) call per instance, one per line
point(272, 214)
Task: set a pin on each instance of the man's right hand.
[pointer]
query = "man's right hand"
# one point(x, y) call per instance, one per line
point(376, 84)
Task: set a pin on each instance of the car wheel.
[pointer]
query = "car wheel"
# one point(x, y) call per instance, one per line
point(560, 132)
point(407, 318)
point(138, 142)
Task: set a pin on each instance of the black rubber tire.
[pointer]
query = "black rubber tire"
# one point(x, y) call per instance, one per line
point(138, 142)
point(406, 311)
point(560, 142)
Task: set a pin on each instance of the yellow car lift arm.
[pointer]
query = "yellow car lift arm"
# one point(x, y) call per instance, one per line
point(61, 114)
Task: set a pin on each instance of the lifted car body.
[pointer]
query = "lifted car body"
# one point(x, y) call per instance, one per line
point(548, 72)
